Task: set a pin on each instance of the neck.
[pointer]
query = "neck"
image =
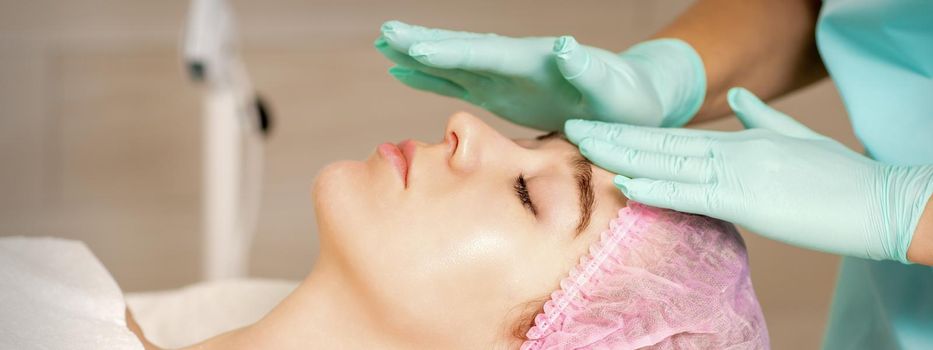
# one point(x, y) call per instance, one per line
point(320, 314)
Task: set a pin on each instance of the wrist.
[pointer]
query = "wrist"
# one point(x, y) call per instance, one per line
point(906, 192)
point(920, 250)
point(677, 74)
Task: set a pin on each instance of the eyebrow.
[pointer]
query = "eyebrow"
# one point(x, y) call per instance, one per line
point(583, 176)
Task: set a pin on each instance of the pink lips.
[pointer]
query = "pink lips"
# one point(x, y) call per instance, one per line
point(399, 156)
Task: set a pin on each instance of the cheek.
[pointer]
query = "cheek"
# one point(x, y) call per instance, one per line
point(474, 251)
point(466, 240)
point(440, 272)
point(471, 275)
point(488, 276)
point(481, 245)
point(458, 235)
point(485, 255)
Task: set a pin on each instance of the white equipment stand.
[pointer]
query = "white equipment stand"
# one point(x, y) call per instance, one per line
point(235, 122)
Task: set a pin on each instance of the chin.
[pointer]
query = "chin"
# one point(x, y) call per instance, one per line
point(335, 189)
point(342, 193)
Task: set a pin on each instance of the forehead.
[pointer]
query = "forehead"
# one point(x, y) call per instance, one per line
point(563, 149)
point(552, 141)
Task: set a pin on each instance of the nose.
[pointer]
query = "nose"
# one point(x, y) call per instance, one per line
point(473, 142)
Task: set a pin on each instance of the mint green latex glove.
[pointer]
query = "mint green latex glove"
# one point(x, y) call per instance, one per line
point(541, 82)
point(778, 179)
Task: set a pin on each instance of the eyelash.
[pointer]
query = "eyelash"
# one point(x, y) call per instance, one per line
point(521, 189)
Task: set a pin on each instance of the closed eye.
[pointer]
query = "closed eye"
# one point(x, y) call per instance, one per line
point(521, 190)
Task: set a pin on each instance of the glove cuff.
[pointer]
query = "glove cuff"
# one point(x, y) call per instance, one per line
point(677, 73)
point(907, 190)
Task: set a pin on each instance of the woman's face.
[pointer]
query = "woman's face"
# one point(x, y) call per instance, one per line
point(449, 242)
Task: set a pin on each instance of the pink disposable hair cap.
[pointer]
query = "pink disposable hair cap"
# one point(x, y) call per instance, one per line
point(656, 279)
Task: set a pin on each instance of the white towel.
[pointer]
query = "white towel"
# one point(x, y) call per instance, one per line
point(55, 294)
point(185, 316)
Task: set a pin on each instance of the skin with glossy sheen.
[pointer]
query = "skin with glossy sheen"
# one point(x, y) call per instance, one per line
point(456, 251)
point(454, 260)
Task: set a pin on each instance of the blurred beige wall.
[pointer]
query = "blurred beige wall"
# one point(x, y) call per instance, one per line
point(100, 132)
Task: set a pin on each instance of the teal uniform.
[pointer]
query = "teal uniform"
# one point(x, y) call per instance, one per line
point(880, 55)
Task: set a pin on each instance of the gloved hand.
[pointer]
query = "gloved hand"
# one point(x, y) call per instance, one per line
point(778, 178)
point(541, 82)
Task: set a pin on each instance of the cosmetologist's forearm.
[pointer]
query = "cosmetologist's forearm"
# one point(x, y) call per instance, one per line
point(766, 46)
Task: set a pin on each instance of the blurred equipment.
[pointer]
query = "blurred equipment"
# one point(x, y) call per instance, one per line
point(235, 122)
